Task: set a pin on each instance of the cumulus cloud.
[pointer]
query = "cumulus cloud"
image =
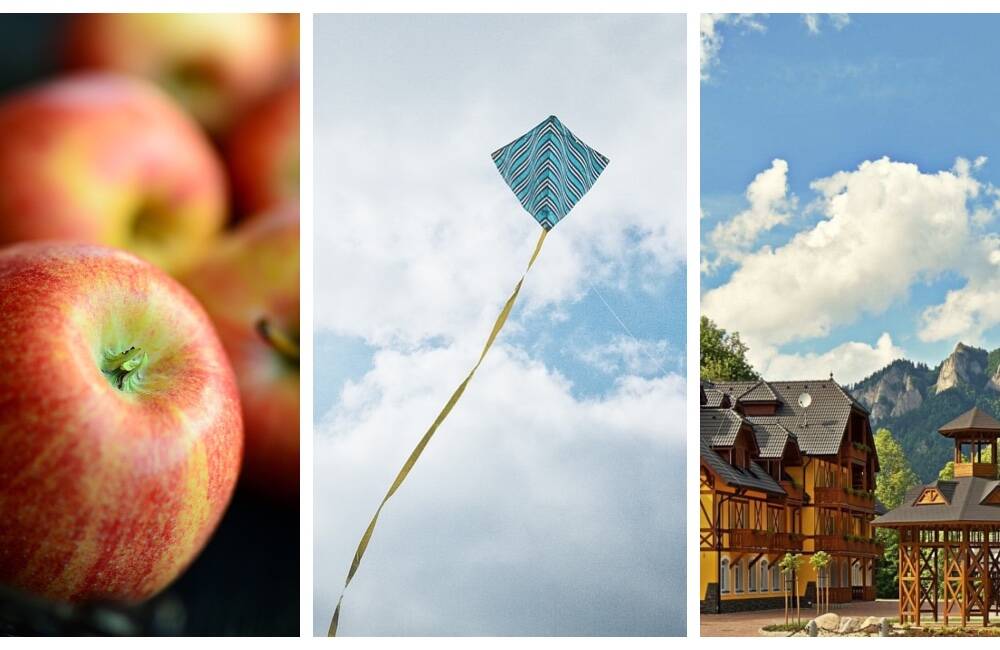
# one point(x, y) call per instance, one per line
point(770, 206)
point(849, 362)
point(885, 225)
point(531, 512)
point(968, 312)
point(534, 510)
point(413, 211)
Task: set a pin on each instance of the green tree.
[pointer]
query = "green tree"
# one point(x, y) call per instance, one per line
point(895, 477)
point(723, 354)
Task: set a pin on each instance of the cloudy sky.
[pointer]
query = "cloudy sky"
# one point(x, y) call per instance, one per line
point(849, 199)
point(549, 502)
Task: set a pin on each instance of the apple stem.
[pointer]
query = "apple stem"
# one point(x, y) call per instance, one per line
point(279, 340)
point(124, 369)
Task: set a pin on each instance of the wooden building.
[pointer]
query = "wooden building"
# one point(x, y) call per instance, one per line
point(949, 532)
point(785, 467)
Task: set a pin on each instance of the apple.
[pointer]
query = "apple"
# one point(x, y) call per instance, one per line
point(214, 64)
point(121, 431)
point(249, 285)
point(108, 159)
point(263, 152)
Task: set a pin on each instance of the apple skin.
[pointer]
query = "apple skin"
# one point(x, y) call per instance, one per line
point(213, 64)
point(107, 493)
point(107, 159)
point(253, 274)
point(263, 153)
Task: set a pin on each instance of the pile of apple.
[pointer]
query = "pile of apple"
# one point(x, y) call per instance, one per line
point(149, 297)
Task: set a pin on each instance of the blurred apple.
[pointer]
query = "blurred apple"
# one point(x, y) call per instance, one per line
point(263, 153)
point(214, 64)
point(121, 433)
point(108, 159)
point(249, 285)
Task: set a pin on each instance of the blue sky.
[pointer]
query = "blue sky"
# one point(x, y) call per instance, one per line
point(915, 89)
point(539, 502)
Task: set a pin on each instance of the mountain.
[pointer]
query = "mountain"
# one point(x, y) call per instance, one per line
point(913, 401)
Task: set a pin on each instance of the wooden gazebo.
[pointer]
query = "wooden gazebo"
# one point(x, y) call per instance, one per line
point(949, 532)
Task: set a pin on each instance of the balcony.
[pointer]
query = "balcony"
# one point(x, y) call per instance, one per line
point(857, 453)
point(764, 540)
point(848, 545)
point(838, 496)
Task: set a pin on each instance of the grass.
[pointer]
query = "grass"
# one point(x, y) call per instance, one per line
point(784, 627)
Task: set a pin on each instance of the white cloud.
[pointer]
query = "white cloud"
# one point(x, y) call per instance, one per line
point(529, 511)
point(849, 362)
point(711, 35)
point(770, 206)
point(968, 312)
point(413, 211)
point(630, 356)
point(837, 21)
point(885, 226)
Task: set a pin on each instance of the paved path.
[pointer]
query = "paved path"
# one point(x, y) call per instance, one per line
point(749, 623)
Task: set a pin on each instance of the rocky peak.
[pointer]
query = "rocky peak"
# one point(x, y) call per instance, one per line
point(966, 365)
point(893, 393)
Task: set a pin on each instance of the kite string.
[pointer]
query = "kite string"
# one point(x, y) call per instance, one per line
point(415, 454)
point(627, 330)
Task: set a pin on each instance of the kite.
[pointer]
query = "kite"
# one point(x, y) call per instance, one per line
point(549, 170)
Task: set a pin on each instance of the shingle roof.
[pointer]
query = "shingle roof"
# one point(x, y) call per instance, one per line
point(819, 428)
point(720, 426)
point(771, 437)
point(756, 478)
point(714, 398)
point(964, 496)
point(974, 420)
point(747, 391)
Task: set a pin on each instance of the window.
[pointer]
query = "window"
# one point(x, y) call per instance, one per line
point(775, 578)
point(724, 576)
point(846, 568)
point(764, 577)
point(738, 571)
point(752, 583)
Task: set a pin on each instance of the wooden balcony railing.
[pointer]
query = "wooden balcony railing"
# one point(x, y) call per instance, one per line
point(857, 454)
point(851, 545)
point(750, 538)
point(838, 496)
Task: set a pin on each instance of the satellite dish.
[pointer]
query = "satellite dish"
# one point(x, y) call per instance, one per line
point(805, 399)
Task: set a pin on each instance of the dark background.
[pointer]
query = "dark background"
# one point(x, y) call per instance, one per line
point(246, 581)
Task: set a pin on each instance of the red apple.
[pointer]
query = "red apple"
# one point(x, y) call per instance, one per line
point(263, 153)
point(108, 159)
point(214, 64)
point(120, 433)
point(249, 285)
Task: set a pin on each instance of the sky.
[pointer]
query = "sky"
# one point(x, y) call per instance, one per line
point(849, 172)
point(549, 501)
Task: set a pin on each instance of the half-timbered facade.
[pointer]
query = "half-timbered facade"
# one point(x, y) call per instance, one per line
point(785, 467)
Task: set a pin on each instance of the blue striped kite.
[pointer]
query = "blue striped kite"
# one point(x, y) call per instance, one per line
point(549, 170)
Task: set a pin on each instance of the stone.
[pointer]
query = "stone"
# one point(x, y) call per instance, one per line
point(829, 622)
point(811, 628)
point(871, 623)
point(884, 627)
point(848, 625)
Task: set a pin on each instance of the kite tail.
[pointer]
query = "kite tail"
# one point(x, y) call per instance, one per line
point(415, 454)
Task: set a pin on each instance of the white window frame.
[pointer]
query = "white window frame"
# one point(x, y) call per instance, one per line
point(724, 576)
